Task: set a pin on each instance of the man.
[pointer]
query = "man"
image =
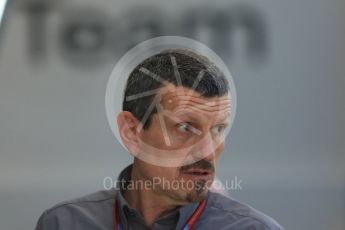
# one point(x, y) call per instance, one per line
point(176, 110)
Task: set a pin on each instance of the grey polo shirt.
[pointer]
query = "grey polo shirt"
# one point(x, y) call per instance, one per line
point(96, 212)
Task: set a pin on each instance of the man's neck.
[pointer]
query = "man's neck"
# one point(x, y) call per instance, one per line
point(149, 203)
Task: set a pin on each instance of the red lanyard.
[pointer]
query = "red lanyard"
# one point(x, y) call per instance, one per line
point(188, 226)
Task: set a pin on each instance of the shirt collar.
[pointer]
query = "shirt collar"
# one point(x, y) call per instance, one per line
point(178, 217)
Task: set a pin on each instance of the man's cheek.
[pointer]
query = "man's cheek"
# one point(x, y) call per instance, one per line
point(219, 150)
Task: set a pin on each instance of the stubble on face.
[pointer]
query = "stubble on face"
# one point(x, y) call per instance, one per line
point(200, 187)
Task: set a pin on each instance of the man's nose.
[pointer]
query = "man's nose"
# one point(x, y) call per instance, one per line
point(205, 148)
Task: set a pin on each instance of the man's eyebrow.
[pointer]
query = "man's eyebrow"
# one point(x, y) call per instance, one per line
point(225, 117)
point(225, 120)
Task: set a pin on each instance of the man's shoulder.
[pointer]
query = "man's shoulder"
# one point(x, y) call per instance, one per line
point(96, 197)
point(91, 209)
point(239, 215)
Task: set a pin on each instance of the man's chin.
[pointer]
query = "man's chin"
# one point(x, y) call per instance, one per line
point(196, 196)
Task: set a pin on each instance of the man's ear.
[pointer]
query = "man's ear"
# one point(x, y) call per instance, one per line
point(128, 125)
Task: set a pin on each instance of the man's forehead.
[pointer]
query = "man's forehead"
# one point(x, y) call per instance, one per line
point(174, 97)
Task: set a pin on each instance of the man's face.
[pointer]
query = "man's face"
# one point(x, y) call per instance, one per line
point(188, 130)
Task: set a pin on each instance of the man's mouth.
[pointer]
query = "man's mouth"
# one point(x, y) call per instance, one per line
point(198, 172)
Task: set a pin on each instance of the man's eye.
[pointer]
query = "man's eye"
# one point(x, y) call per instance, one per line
point(219, 129)
point(184, 127)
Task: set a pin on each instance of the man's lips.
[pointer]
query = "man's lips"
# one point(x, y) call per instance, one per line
point(199, 172)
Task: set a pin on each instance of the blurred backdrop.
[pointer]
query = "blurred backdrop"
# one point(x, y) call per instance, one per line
point(287, 144)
